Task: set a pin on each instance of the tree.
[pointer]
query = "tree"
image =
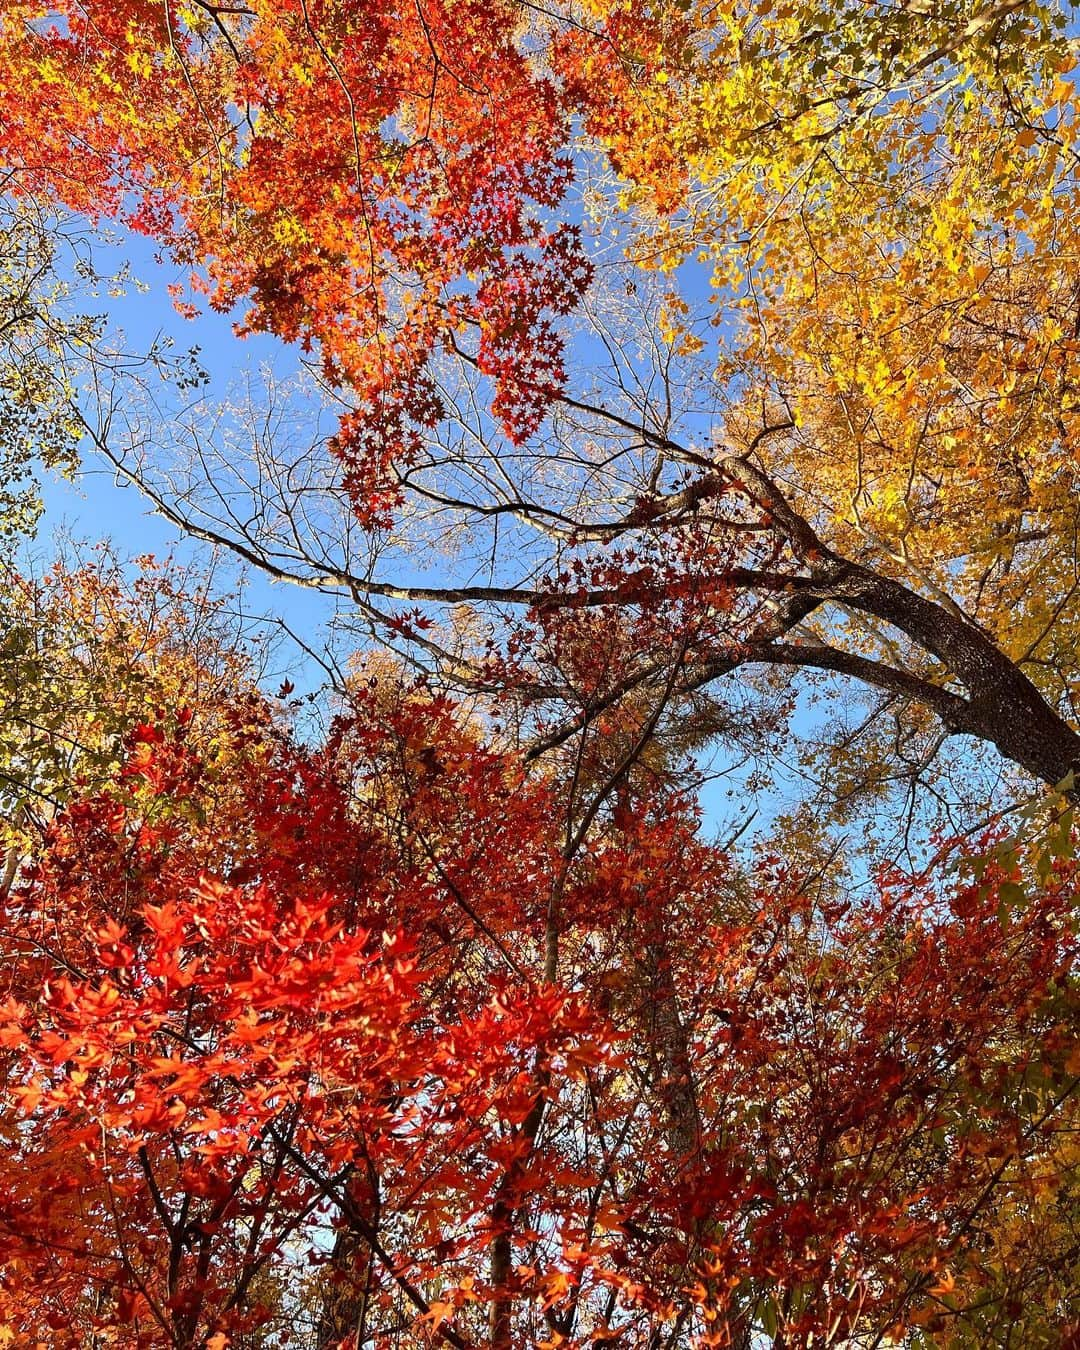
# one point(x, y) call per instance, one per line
point(320, 1022)
point(392, 187)
point(35, 417)
point(88, 652)
point(456, 1001)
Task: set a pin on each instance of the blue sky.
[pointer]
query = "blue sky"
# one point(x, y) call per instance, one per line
point(96, 506)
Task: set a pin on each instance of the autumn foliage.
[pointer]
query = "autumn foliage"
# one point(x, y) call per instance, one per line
point(283, 1060)
point(690, 366)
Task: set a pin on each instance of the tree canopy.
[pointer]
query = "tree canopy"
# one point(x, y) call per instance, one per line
point(685, 388)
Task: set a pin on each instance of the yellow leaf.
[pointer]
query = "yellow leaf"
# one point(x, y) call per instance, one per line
point(945, 1285)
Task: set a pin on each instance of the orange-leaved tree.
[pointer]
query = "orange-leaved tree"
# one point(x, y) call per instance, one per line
point(284, 1064)
point(691, 340)
point(883, 203)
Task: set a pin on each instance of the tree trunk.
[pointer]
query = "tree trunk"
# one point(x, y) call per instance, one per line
point(1003, 706)
point(344, 1305)
point(670, 1045)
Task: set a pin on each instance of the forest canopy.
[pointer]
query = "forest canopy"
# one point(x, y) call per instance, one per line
point(643, 911)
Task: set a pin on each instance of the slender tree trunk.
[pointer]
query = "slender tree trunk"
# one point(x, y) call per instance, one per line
point(502, 1303)
point(504, 1213)
point(676, 1090)
point(343, 1312)
point(670, 1045)
point(505, 1207)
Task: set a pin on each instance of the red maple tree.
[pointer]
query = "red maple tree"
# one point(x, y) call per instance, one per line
point(285, 1063)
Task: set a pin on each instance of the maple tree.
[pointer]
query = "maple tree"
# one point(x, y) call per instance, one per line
point(393, 189)
point(694, 341)
point(272, 1006)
